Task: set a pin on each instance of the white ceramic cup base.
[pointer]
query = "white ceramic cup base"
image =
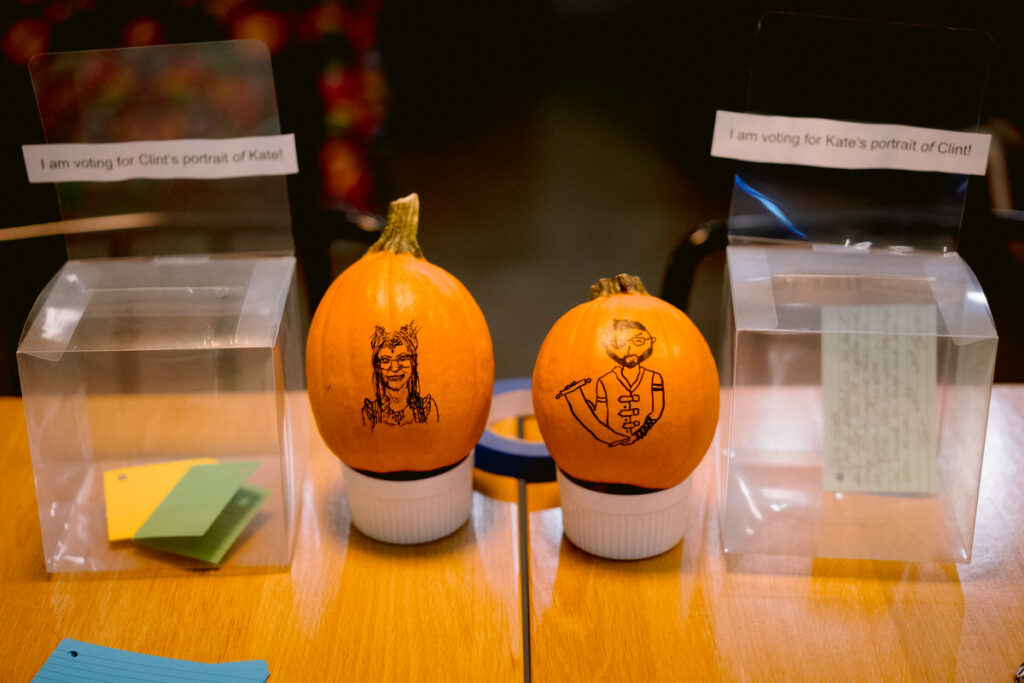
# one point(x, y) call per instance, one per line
point(414, 511)
point(623, 527)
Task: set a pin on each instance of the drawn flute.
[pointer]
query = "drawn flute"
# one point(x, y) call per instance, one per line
point(572, 387)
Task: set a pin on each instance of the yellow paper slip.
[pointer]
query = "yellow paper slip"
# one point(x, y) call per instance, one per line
point(132, 494)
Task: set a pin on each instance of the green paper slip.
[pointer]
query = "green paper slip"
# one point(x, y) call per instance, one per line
point(132, 494)
point(221, 535)
point(196, 501)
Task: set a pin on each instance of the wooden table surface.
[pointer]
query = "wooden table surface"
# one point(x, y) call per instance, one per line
point(350, 608)
point(697, 614)
point(354, 609)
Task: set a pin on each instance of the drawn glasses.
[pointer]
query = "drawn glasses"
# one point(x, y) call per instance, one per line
point(638, 339)
point(385, 362)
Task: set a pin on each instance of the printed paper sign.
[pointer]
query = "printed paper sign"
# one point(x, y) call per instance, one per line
point(161, 159)
point(880, 394)
point(842, 144)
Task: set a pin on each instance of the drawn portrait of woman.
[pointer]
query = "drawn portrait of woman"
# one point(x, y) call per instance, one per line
point(396, 381)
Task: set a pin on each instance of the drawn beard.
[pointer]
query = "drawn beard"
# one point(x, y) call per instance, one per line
point(631, 360)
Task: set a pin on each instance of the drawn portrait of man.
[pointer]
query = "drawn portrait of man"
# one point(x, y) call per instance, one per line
point(629, 399)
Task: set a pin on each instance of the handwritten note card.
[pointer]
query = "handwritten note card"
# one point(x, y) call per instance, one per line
point(880, 394)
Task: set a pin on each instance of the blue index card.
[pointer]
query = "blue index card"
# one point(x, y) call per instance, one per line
point(74, 660)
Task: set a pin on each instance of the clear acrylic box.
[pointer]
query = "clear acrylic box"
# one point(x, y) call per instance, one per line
point(176, 336)
point(856, 386)
point(136, 361)
point(859, 349)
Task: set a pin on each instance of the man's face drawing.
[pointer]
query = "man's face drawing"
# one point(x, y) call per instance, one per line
point(629, 343)
point(395, 365)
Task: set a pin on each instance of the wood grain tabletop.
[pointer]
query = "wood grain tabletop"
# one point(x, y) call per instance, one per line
point(695, 613)
point(350, 608)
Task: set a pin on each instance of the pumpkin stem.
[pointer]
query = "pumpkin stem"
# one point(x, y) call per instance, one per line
point(399, 233)
point(620, 284)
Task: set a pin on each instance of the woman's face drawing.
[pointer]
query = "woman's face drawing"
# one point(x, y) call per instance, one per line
point(395, 365)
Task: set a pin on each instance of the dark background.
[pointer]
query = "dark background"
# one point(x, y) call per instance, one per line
point(515, 121)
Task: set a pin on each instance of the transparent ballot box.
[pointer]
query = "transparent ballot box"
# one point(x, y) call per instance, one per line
point(856, 392)
point(162, 361)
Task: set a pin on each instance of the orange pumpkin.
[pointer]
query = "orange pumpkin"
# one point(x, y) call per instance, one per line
point(399, 362)
point(625, 389)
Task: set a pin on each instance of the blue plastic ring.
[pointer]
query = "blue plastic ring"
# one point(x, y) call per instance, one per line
point(525, 460)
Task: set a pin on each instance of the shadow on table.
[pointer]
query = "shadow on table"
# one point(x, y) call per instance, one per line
point(827, 568)
point(669, 563)
point(451, 544)
point(911, 612)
